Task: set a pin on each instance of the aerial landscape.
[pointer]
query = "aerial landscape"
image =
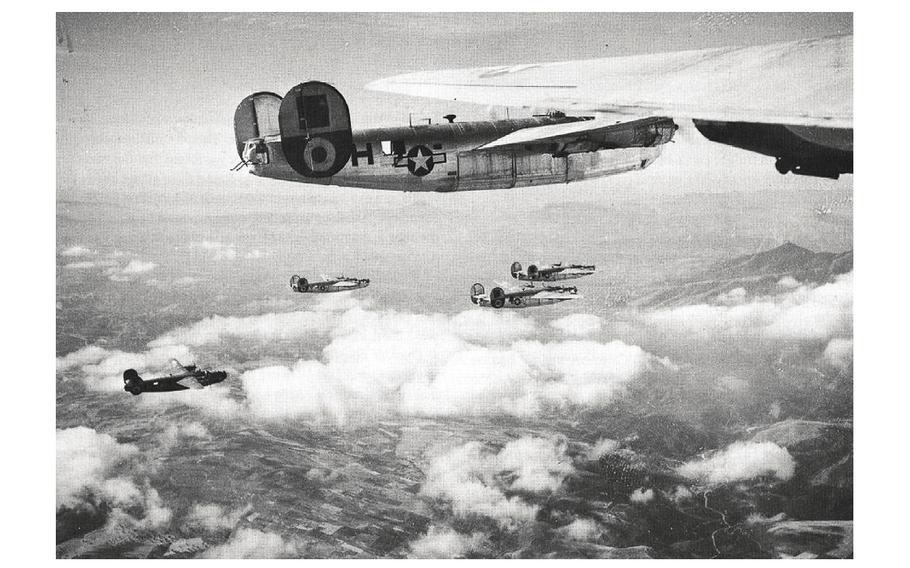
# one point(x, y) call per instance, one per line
point(695, 400)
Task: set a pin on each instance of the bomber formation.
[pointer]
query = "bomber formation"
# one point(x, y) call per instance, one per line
point(528, 294)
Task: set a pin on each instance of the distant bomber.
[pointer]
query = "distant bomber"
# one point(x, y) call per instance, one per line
point(306, 136)
point(337, 284)
point(187, 377)
point(525, 297)
point(551, 273)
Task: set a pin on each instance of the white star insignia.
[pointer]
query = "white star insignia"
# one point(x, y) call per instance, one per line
point(420, 160)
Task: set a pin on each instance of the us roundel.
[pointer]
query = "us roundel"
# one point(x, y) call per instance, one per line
point(420, 161)
point(319, 154)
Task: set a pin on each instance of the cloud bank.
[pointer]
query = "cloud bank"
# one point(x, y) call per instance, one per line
point(379, 363)
point(801, 313)
point(741, 461)
point(477, 479)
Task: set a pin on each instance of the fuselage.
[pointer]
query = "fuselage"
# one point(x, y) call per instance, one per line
point(306, 136)
point(441, 157)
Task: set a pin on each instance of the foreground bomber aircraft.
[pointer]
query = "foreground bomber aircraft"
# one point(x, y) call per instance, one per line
point(552, 272)
point(326, 285)
point(524, 297)
point(186, 377)
point(306, 136)
point(792, 101)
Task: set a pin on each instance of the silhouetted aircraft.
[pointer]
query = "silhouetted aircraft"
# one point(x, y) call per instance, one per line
point(552, 272)
point(524, 297)
point(306, 136)
point(792, 100)
point(327, 284)
point(187, 377)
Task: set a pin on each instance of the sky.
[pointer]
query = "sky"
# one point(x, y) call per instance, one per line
point(150, 97)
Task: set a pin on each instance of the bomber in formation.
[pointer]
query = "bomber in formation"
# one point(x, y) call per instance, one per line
point(807, 127)
point(306, 136)
point(327, 284)
point(185, 377)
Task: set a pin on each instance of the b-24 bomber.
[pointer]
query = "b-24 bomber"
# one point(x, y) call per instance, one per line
point(526, 296)
point(551, 273)
point(327, 284)
point(186, 377)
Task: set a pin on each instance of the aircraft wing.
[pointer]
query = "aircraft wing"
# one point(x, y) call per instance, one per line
point(553, 295)
point(801, 83)
point(600, 128)
point(190, 382)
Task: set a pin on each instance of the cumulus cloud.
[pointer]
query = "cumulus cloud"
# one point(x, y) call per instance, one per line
point(390, 362)
point(94, 468)
point(102, 369)
point(211, 517)
point(381, 363)
point(253, 543)
point(319, 320)
point(642, 496)
point(579, 325)
point(475, 479)
point(444, 542)
point(87, 461)
point(584, 530)
point(741, 461)
point(802, 313)
point(603, 447)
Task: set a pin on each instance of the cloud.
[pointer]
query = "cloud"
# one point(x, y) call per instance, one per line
point(133, 268)
point(211, 517)
point(603, 447)
point(379, 363)
point(579, 325)
point(102, 370)
point(253, 543)
point(86, 461)
point(76, 250)
point(741, 461)
point(94, 468)
point(802, 313)
point(474, 478)
point(583, 530)
point(444, 542)
point(488, 326)
point(320, 319)
point(642, 496)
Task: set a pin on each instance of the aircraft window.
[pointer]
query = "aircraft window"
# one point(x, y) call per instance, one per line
point(398, 147)
point(316, 111)
point(386, 147)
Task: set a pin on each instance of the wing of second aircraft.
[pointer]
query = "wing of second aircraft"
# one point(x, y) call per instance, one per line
point(801, 83)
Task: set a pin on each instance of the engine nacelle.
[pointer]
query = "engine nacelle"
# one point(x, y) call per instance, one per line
point(516, 269)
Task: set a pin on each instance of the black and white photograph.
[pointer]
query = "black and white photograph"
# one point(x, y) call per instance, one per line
point(477, 285)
